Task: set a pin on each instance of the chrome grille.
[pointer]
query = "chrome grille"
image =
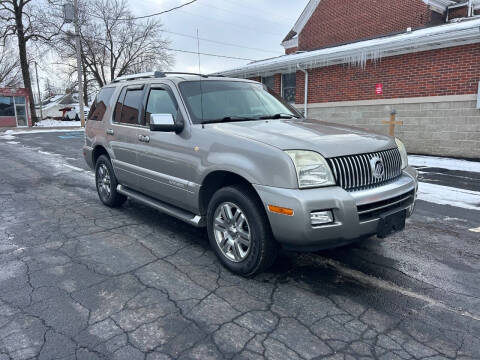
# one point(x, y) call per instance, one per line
point(354, 172)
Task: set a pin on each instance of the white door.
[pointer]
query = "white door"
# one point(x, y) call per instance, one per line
point(21, 111)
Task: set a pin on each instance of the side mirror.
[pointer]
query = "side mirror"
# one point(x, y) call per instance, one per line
point(165, 123)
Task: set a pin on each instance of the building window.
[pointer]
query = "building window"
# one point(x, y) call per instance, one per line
point(289, 87)
point(6, 106)
point(269, 82)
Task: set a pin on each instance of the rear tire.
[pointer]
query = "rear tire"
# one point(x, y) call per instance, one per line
point(107, 183)
point(239, 231)
point(66, 118)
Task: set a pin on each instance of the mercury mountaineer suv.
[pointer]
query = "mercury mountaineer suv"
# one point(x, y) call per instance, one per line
point(228, 155)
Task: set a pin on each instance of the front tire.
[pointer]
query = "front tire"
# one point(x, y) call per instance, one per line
point(239, 231)
point(107, 183)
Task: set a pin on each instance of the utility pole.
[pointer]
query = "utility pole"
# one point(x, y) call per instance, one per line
point(39, 94)
point(79, 63)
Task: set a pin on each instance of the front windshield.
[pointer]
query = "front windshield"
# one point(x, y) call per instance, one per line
point(212, 100)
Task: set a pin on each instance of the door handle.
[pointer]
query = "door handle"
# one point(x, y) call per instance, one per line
point(110, 132)
point(143, 138)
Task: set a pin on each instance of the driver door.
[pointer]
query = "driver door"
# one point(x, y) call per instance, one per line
point(165, 159)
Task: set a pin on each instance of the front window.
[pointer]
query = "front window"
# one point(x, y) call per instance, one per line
point(6, 106)
point(214, 100)
point(289, 87)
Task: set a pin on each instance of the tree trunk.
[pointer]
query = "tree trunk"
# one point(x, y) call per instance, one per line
point(85, 82)
point(22, 50)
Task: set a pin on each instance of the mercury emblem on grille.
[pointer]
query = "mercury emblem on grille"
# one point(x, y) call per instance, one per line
point(378, 169)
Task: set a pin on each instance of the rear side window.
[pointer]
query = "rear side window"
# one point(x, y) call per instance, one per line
point(127, 108)
point(99, 106)
point(160, 101)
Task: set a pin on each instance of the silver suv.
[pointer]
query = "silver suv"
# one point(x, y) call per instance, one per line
point(228, 155)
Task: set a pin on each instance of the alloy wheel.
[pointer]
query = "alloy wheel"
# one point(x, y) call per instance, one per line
point(232, 232)
point(103, 181)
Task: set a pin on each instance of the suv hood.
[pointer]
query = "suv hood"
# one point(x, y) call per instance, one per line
point(328, 139)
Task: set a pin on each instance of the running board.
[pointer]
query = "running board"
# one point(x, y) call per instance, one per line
point(188, 217)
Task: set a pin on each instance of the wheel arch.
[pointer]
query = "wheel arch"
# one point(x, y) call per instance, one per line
point(97, 152)
point(218, 179)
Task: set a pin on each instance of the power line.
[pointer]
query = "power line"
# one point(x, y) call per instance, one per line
point(165, 11)
point(259, 10)
point(240, 13)
point(151, 15)
point(220, 42)
point(233, 24)
point(209, 54)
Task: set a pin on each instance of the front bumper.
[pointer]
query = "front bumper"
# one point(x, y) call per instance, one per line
point(356, 214)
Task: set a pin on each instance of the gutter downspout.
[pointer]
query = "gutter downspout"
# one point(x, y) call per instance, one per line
point(305, 110)
point(470, 8)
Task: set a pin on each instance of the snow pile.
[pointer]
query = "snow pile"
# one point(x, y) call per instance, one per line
point(56, 123)
point(444, 163)
point(445, 195)
point(7, 135)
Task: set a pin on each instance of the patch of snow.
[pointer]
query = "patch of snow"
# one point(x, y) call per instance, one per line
point(13, 142)
point(7, 137)
point(56, 123)
point(444, 163)
point(44, 130)
point(445, 195)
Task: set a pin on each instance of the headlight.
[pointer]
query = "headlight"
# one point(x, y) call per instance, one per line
point(403, 153)
point(312, 169)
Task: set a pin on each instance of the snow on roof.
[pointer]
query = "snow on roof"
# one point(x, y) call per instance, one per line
point(358, 53)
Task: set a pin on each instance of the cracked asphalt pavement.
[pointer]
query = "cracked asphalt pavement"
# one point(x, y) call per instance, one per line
point(81, 281)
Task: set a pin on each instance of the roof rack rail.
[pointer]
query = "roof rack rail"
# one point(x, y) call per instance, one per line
point(156, 74)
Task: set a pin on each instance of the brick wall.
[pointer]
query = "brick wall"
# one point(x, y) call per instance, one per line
point(8, 121)
point(292, 50)
point(341, 21)
point(450, 71)
point(458, 13)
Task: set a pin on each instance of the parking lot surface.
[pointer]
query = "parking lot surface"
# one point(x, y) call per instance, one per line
point(81, 281)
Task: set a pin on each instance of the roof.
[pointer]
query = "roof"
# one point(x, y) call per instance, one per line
point(291, 40)
point(358, 53)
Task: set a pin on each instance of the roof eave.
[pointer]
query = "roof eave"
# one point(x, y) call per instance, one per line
point(443, 36)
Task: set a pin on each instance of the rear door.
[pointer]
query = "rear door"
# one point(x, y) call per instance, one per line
point(122, 132)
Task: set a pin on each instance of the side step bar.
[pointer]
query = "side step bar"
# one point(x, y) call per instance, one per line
point(188, 217)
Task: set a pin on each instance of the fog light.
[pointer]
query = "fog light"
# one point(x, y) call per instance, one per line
point(321, 217)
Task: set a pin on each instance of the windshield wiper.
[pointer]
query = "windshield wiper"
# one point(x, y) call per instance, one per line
point(229, 119)
point(279, 116)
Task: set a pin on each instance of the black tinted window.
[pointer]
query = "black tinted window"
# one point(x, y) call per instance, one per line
point(160, 101)
point(269, 81)
point(117, 113)
point(289, 87)
point(99, 106)
point(6, 106)
point(131, 107)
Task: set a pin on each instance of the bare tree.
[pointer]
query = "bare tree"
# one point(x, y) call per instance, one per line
point(9, 67)
point(114, 43)
point(27, 20)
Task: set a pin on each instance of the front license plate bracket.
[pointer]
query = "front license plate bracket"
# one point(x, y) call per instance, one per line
point(391, 224)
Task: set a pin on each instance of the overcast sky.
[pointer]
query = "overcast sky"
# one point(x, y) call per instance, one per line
point(260, 24)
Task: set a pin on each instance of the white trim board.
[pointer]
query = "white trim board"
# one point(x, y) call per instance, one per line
point(413, 100)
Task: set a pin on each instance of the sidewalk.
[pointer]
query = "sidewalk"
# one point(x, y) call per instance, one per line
point(447, 181)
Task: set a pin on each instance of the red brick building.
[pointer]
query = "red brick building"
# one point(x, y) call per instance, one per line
point(353, 62)
point(14, 108)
